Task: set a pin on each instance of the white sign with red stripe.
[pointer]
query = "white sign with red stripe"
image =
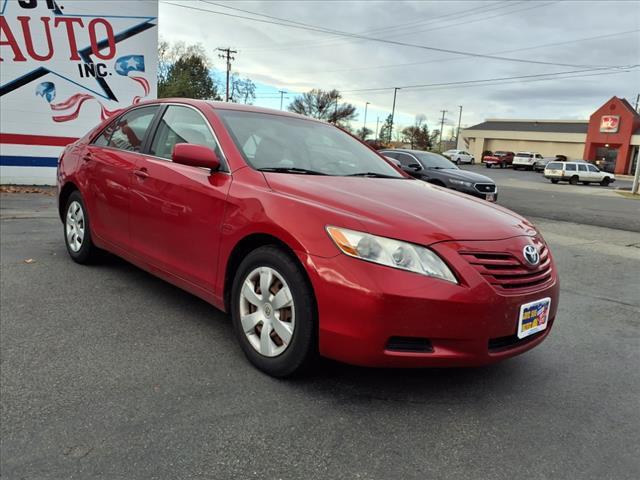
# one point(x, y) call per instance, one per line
point(64, 67)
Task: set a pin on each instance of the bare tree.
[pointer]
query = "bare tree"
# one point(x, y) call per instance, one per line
point(324, 105)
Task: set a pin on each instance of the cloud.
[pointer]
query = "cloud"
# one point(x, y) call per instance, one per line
point(298, 60)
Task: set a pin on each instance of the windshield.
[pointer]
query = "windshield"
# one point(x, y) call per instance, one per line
point(433, 160)
point(291, 145)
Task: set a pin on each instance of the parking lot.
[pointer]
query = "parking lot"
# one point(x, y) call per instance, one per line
point(108, 372)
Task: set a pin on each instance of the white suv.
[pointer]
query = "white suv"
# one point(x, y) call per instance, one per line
point(574, 172)
point(525, 160)
point(459, 156)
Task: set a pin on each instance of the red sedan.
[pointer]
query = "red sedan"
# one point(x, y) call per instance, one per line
point(313, 242)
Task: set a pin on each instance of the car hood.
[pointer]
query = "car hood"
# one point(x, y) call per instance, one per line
point(464, 175)
point(405, 209)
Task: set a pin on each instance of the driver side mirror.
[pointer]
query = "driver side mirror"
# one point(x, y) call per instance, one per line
point(195, 156)
point(414, 167)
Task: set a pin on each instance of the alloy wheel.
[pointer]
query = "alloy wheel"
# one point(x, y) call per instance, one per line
point(267, 312)
point(75, 226)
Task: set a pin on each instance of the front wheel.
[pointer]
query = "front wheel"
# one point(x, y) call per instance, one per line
point(457, 161)
point(273, 312)
point(488, 165)
point(77, 231)
point(605, 182)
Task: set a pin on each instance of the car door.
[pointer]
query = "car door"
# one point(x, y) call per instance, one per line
point(594, 174)
point(109, 164)
point(409, 164)
point(177, 210)
point(583, 172)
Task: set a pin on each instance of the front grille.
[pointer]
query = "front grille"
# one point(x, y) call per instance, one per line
point(409, 344)
point(485, 187)
point(505, 272)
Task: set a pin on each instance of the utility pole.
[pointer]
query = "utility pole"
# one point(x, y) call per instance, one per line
point(228, 57)
point(377, 124)
point(637, 102)
point(282, 92)
point(364, 126)
point(441, 128)
point(393, 111)
point(458, 132)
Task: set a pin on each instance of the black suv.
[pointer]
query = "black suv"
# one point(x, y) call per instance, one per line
point(436, 169)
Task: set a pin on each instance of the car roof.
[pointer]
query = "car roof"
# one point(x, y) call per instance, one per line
point(407, 150)
point(227, 106)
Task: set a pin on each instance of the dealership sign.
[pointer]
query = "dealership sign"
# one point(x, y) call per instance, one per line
point(64, 67)
point(609, 123)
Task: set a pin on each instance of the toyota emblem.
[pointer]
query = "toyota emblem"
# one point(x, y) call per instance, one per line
point(531, 255)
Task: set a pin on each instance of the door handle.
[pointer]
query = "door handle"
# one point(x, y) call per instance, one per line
point(142, 173)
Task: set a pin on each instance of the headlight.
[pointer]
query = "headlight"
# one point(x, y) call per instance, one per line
point(392, 253)
point(460, 182)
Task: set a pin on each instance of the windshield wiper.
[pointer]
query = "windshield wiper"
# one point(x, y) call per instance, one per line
point(291, 170)
point(372, 174)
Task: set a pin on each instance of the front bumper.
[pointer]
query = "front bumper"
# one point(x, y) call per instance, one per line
point(474, 192)
point(363, 306)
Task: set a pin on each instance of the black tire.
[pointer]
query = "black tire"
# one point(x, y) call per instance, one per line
point(554, 180)
point(501, 165)
point(586, 183)
point(302, 349)
point(574, 180)
point(605, 182)
point(488, 165)
point(473, 161)
point(457, 161)
point(87, 252)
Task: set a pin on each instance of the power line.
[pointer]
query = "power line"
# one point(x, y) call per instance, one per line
point(463, 82)
point(381, 40)
point(437, 19)
point(449, 59)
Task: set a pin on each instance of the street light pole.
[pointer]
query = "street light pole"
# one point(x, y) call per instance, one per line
point(458, 132)
point(377, 125)
point(442, 128)
point(364, 126)
point(393, 111)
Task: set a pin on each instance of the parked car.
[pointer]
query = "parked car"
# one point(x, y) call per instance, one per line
point(312, 242)
point(436, 169)
point(540, 164)
point(525, 160)
point(500, 158)
point(578, 171)
point(459, 156)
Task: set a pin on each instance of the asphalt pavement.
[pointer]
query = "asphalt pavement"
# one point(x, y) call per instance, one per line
point(532, 195)
point(107, 372)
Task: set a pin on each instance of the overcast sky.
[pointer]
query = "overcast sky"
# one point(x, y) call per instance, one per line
point(294, 59)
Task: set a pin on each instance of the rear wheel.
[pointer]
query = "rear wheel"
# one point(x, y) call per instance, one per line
point(574, 180)
point(605, 181)
point(77, 231)
point(488, 165)
point(273, 312)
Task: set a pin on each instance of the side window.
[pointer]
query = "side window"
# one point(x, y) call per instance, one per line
point(390, 154)
point(128, 131)
point(181, 125)
point(405, 160)
point(570, 167)
point(592, 168)
point(582, 168)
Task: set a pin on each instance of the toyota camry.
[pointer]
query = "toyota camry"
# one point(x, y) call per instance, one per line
point(311, 241)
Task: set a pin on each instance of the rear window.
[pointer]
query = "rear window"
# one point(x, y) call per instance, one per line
point(524, 155)
point(554, 166)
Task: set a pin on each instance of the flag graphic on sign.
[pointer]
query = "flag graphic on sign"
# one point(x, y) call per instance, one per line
point(69, 109)
point(129, 63)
